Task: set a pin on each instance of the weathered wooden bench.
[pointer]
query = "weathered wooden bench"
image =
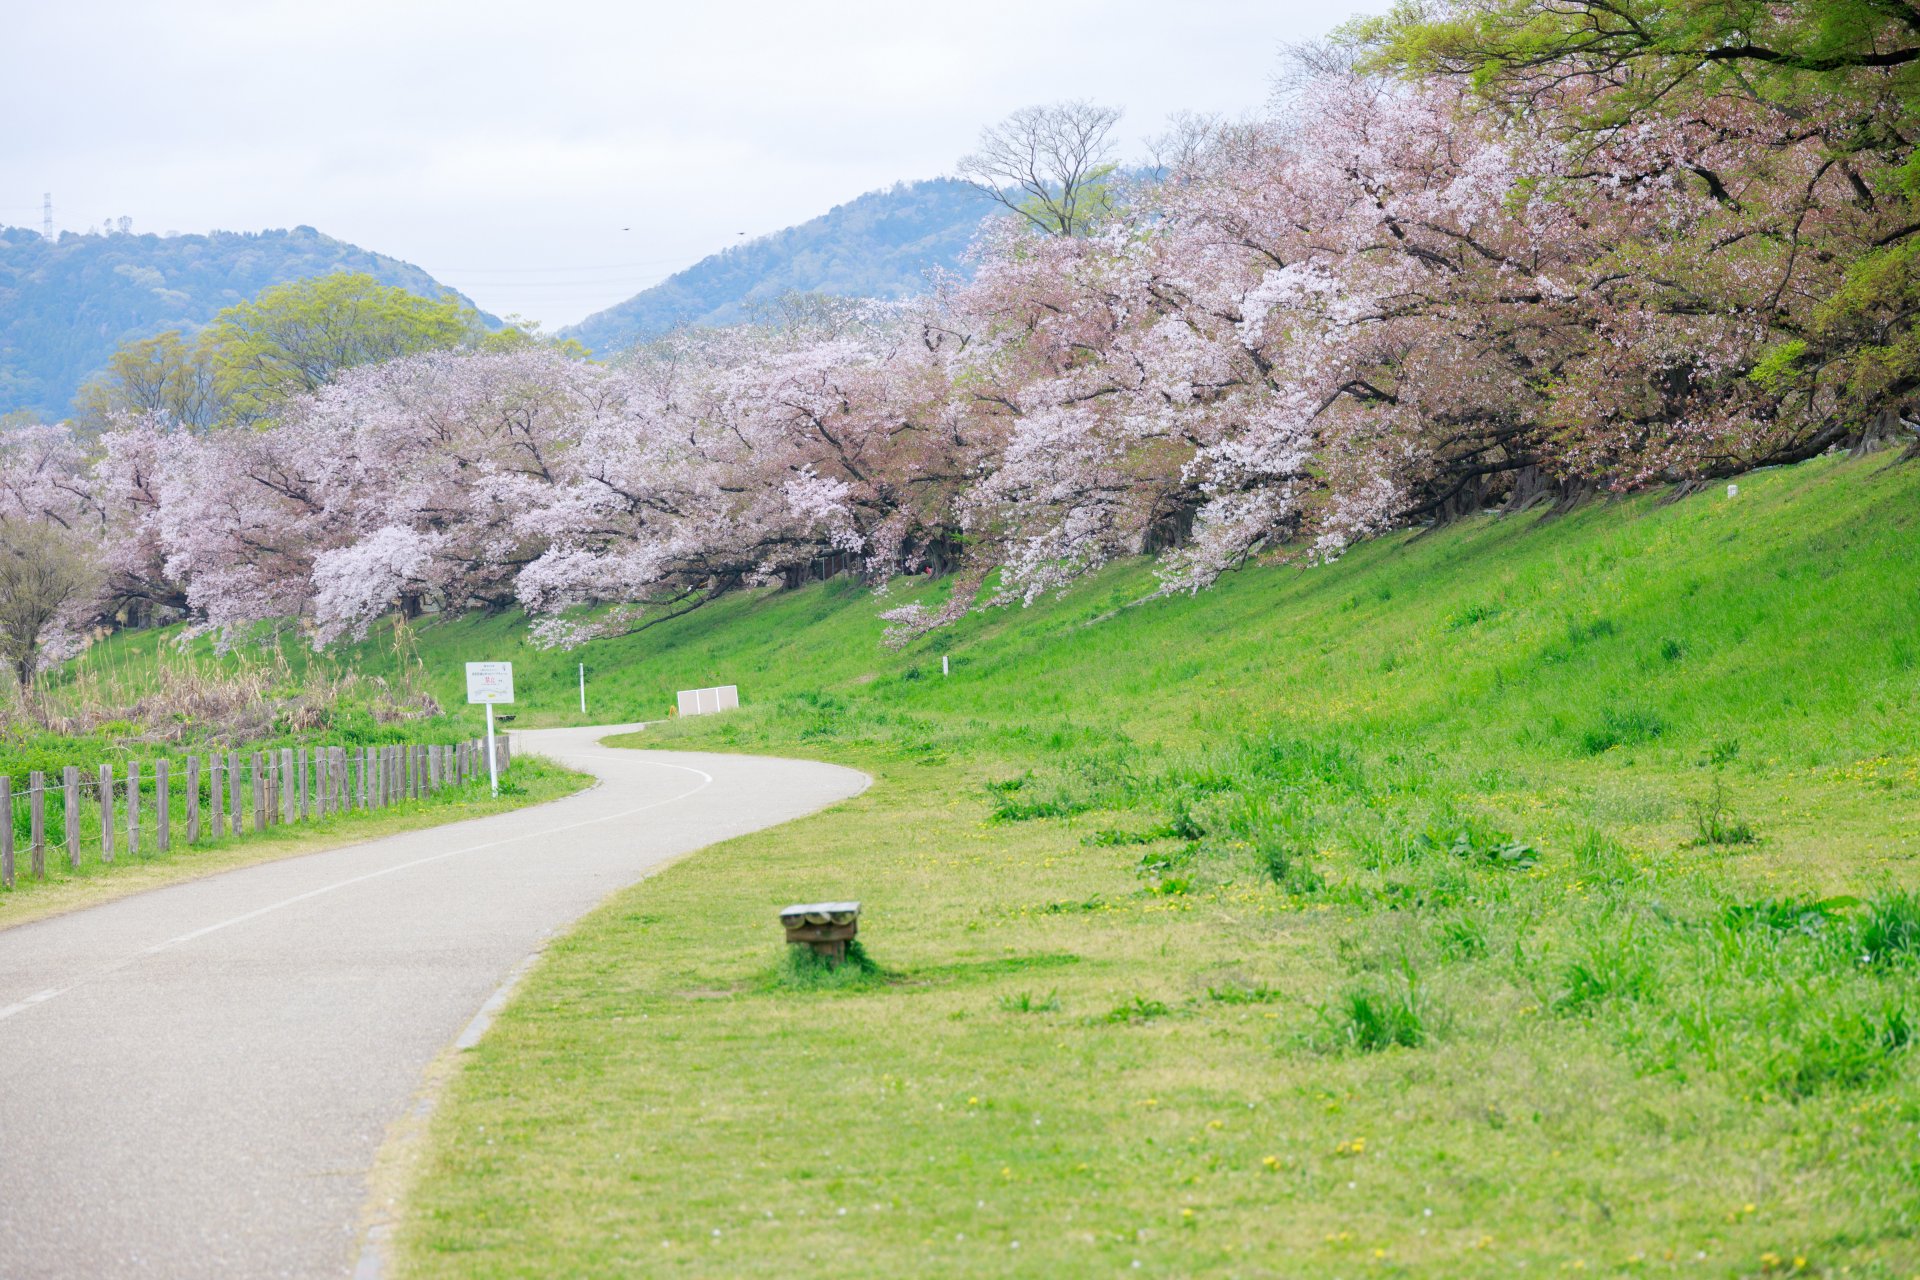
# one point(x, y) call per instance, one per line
point(826, 927)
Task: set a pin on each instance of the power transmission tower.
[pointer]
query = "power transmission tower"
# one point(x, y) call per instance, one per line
point(46, 215)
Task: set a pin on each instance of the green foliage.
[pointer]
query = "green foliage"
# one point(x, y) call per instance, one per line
point(295, 337)
point(1372, 1018)
point(803, 969)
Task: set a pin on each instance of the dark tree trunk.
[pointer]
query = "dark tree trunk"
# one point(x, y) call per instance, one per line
point(1883, 430)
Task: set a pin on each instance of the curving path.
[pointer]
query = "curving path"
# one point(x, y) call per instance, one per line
point(194, 1081)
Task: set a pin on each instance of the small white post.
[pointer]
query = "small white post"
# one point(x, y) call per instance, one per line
point(493, 757)
point(583, 688)
point(943, 665)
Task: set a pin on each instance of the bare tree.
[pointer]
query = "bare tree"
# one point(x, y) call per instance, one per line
point(1049, 164)
point(44, 570)
point(1190, 139)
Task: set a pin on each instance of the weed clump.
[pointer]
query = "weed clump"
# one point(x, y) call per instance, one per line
point(1370, 1018)
point(804, 970)
point(1622, 727)
point(1890, 932)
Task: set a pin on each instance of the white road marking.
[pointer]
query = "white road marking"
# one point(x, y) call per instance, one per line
point(43, 996)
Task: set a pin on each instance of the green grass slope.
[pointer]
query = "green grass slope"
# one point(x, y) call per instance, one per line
point(1533, 896)
point(1538, 893)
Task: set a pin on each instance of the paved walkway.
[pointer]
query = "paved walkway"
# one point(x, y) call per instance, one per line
point(194, 1080)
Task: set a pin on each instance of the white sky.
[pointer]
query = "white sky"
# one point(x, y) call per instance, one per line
point(504, 147)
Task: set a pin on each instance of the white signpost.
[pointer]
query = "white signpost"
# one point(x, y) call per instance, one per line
point(488, 683)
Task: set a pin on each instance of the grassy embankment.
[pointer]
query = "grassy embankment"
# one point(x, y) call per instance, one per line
point(1537, 894)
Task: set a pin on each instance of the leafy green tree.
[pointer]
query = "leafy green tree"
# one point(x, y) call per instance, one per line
point(1650, 48)
point(293, 338)
point(167, 375)
point(44, 572)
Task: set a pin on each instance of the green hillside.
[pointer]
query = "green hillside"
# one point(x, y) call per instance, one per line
point(65, 305)
point(1538, 892)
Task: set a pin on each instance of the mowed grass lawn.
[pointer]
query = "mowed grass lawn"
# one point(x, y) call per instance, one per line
point(1533, 897)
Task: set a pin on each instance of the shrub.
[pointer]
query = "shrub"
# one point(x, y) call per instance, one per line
point(1714, 823)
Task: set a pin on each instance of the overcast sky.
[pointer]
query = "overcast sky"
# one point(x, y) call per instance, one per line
point(506, 147)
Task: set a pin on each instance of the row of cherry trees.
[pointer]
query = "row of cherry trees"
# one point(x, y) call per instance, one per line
point(1389, 303)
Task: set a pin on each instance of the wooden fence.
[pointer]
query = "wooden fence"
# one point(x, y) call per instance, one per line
point(205, 798)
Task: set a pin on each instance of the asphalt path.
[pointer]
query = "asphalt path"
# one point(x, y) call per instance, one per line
point(194, 1081)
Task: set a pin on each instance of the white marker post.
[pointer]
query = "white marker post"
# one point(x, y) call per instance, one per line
point(583, 688)
point(943, 665)
point(488, 683)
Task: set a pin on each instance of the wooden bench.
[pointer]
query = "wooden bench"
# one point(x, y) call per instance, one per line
point(826, 927)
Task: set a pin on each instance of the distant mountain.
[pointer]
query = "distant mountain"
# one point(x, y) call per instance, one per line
point(879, 246)
point(66, 304)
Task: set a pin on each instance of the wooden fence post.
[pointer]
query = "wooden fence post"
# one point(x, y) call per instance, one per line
point(287, 812)
point(37, 822)
point(306, 796)
point(162, 807)
point(6, 830)
point(360, 777)
point(193, 799)
point(259, 793)
point(133, 809)
point(106, 813)
point(236, 806)
point(70, 812)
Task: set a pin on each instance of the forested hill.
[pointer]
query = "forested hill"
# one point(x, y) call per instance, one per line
point(880, 245)
point(65, 305)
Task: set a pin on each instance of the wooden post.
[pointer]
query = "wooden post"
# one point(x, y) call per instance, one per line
point(506, 752)
point(6, 830)
point(259, 793)
point(162, 807)
point(321, 758)
point(236, 806)
point(306, 798)
point(217, 793)
point(37, 822)
point(133, 809)
point(106, 813)
point(289, 802)
point(193, 799)
point(360, 777)
point(71, 812)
